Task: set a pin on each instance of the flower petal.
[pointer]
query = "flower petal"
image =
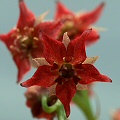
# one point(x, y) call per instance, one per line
point(54, 50)
point(91, 17)
point(26, 17)
point(37, 50)
point(52, 90)
point(8, 38)
point(22, 64)
point(65, 93)
point(88, 74)
point(61, 11)
point(76, 48)
point(50, 28)
point(92, 38)
point(44, 77)
point(90, 60)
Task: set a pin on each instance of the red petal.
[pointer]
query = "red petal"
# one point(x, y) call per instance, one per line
point(44, 76)
point(37, 51)
point(92, 38)
point(65, 93)
point(76, 48)
point(50, 28)
point(22, 64)
point(54, 50)
point(91, 17)
point(26, 17)
point(88, 74)
point(9, 38)
point(61, 11)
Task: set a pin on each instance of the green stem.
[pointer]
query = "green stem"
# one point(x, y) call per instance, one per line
point(61, 113)
point(81, 99)
point(46, 108)
point(58, 107)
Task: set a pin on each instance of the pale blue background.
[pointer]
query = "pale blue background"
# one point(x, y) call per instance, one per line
point(12, 100)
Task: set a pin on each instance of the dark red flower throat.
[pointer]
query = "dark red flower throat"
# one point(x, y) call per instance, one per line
point(66, 73)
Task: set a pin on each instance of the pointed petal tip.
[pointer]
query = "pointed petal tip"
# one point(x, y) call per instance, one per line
point(88, 30)
point(57, 1)
point(110, 80)
point(23, 84)
point(21, 1)
point(106, 79)
point(67, 114)
point(102, 4)
point(98, 36)
point(18, 81)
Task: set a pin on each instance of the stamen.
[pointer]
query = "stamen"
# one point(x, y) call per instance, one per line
point(11, 47)
point(25, 28)
point(24, 38)
point(18, 36)
point(35, 38)
point(31, 29)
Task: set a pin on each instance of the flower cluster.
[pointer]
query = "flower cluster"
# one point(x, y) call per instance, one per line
point(57, 49)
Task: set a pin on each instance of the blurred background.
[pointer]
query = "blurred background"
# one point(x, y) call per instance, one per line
point(12, 100)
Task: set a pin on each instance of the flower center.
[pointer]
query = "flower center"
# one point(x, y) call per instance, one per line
point(24, 41)
point(70, 28)
point(66, 71)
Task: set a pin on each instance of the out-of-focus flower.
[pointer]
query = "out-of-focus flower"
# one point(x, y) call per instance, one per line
point(23, 40)
point(75, 24)
point(116, 115)
point(66, 67)
point(33, 96)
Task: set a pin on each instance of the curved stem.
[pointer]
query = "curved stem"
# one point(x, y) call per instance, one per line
point(81, 99)
point(58, 107)
point(46, 108)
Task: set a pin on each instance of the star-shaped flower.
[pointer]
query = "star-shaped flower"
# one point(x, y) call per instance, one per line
point(75, 24)
point(23, 40)
point(65, 67)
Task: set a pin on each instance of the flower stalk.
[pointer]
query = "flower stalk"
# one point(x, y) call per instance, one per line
point(58, 107)
point(81, 99)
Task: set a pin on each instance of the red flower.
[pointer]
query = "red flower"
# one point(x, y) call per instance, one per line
point(23, 41)
point(33, 96)
point(66, 67)
point(76, 24)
